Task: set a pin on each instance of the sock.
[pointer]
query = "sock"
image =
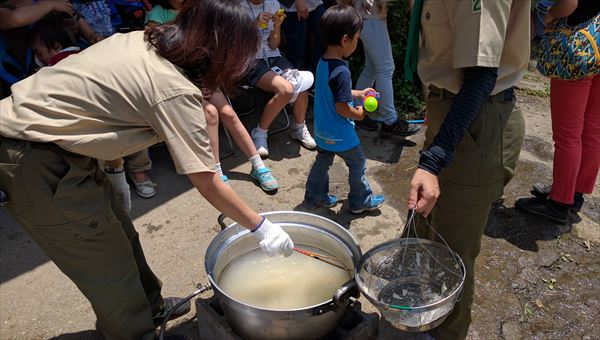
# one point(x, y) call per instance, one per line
point(217, 169)
point(298, 126)
point(258, 129)
point(256, 162)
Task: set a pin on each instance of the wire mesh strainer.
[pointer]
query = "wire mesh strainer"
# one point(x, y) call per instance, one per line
point(413, 282)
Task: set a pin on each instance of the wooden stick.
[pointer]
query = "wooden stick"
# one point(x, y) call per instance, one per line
point(321, 258)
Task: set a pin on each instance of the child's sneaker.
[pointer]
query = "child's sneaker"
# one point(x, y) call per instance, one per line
point(225, 180)
point(330, 203)
point(260, 142)
point(375, 202)
point(302, 135)
point(265, 179)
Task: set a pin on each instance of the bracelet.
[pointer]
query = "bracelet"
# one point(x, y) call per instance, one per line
point(258, 226)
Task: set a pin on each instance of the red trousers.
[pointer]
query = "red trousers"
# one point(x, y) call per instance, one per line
point(575, 107)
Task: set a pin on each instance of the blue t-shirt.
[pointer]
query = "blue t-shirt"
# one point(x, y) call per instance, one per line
point(333, 132)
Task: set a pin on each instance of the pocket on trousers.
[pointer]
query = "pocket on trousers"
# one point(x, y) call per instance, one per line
point(71, 232)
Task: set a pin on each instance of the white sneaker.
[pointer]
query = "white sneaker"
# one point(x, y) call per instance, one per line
point(302, 135)
point(260, 142)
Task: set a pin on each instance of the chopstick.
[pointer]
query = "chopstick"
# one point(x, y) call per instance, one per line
point(322, 258)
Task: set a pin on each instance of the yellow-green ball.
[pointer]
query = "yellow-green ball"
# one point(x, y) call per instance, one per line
point(370, 104)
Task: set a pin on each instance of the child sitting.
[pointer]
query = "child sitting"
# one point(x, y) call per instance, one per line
point(163, 11)
point(275, 74)
point(216, 107)
point(335, 115)
point(51, 41)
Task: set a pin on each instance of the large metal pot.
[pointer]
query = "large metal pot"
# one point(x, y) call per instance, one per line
point(306, 323)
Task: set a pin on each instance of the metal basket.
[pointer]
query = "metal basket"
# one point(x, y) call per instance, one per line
point(414, 282)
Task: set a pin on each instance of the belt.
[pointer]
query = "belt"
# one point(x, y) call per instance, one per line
point(507, 95)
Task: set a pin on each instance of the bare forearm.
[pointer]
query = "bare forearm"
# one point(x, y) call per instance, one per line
point(86, 31)
point(23, 16)
point(345, 110)
point(275, 38)
point(224, 199)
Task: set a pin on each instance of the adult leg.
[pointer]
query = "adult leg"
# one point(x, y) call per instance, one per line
point(378, 52)
point(314, 44)
point(84, 231)
point(139, 162)
point(295, 36)
point(568, 101)
point(590, 139)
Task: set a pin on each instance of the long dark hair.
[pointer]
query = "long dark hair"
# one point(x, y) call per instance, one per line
point(214, 41)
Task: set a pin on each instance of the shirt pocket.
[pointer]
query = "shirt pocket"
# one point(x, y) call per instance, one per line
point(436, 34)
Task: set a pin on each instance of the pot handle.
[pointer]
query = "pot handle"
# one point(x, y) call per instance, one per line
point(340, 297)
point(221, 220)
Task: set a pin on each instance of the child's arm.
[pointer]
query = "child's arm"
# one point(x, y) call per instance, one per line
point(23, 16)
point(345, 110)
point(87, 32)
point(361, 94)
point(275, 35)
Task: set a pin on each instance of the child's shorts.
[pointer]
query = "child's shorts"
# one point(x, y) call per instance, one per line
point(263, 66)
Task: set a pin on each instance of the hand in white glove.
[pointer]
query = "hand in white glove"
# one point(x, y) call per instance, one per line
point(119, 183)
point(273, 240)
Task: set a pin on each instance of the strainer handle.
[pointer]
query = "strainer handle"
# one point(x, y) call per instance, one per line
point(410, 219)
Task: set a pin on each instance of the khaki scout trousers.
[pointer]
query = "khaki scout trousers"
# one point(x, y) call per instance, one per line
point(67, 206)
point(484, 162)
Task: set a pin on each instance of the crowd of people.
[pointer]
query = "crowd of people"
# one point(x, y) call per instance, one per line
point(91, 104)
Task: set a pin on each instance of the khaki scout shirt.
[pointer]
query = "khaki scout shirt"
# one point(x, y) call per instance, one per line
point(113, 99)
point(464, 33)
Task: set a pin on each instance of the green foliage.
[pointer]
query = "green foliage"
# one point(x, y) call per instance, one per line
point(408, 96)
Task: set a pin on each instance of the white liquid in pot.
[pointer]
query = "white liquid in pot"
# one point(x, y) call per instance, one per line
point(281, 283)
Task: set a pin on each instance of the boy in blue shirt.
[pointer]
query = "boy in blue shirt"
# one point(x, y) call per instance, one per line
point(334, 116)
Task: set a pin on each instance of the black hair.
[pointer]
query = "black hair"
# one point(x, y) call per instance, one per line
point(51, 30)
point(338, 21)
point(214, 41)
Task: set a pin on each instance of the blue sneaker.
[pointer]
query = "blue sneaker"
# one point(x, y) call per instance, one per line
point(330, 203)
point(265, 179)
point(375, 202)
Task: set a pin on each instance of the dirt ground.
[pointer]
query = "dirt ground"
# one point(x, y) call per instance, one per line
point(534, 279)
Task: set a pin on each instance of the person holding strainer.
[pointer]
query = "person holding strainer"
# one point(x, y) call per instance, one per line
point(115, 98)
point(471, 55)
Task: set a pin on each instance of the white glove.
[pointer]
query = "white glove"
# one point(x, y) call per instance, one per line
point(121, 188)
point(273, 240)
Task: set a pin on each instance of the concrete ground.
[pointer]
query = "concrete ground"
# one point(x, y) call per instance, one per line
point(520, 255)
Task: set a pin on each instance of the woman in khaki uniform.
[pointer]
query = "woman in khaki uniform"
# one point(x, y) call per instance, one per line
point(115, 98)
point(471, 54)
